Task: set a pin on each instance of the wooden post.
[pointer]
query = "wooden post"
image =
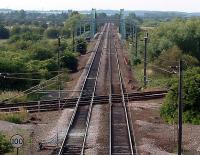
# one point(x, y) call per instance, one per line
point(145, 59)
point(180, 109)
point(38, 106)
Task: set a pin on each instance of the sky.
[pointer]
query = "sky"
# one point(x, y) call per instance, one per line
point(153, 5)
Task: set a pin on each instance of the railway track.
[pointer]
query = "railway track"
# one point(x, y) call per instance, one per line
point(51, 105)
point(121, 139)
point(75, 138)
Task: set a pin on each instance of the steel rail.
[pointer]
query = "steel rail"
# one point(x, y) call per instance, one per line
point(132, 128)
point(49, 105)
point(110, 99)
point(32, 89)
point(81, 93)
point(124, 102)
point(133, 94)
point(91, 103)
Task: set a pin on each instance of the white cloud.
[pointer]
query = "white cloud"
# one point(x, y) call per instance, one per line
point(163, 5)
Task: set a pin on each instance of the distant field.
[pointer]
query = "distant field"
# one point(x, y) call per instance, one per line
point(147, 28)
point(3, 40)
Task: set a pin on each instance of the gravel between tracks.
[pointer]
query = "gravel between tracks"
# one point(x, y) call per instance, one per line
point(98, 133)
point(102, 84)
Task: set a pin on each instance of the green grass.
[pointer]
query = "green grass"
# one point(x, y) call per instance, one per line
point(5, 145)
point(18, 117)
point(155, 79)
point(3, 40)
point(10, 94)
point(18, 96)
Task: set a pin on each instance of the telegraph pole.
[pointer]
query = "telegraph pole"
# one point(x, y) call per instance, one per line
point(84, 28)
point(136, 42)
point(80, 29)
point(93, 23)
point(59, 84)
point(122, 24)
point(145, 59)
point(73, 40)
point(180, 108)
point(132, 33)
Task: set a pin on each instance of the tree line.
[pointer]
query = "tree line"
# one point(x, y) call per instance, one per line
point(167, 43)
point(33, 49)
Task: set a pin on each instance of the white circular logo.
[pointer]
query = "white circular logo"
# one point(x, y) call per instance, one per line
point(17, 141)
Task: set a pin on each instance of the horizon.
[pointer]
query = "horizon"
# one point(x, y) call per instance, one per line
point(97, 10)
point(191, 6)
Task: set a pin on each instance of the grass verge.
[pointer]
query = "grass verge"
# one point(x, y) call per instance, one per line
point(156, 79)
point(11, 94)
point(17, 117)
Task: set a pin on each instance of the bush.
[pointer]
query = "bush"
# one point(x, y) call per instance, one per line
point(15, 30)
point(26, 36)
point(81, 46)
point(51, 64)
point(17, 118)
point(171, 58)
point(31, 36)
point(41, 53)
point(52, 33)
point(136, 61)
point(4, 32)
point(191, 93)
point(12, 65)
point(5, 146)
point(65, 33)
point(22, 45)
point(14, 38)
point(70, 61)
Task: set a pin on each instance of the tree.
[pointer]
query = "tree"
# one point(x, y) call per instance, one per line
point(15, 30)
point(44, 25)
point(41, 53)
point(30, 36)
point(183, 33)
point(22, 14)
point(191, 93)
point(4, 32)
point(70, 61)
point(81, 46)
point(11, 65)
point(65, 32)
point(172, 56)
point(52, 33)
point(72, 22)
point(101, 15)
